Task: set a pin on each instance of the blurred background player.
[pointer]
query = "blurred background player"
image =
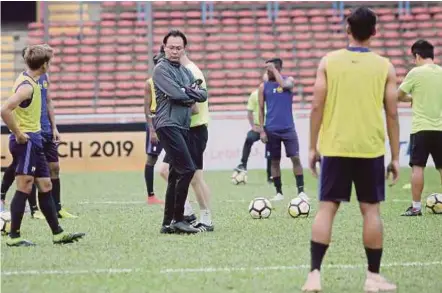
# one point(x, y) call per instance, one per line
point(176, 91)
point(253, 135)
point(51, 137)
point(353, 87)
point(423, 87)
point(153, 146)
point(198, 135)
point(275, 108)
point(22, 113)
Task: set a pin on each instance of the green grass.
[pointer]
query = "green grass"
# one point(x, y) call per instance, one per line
point(126, 236)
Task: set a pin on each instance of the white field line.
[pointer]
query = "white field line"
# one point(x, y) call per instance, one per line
point(211, 270)
point(144, 202)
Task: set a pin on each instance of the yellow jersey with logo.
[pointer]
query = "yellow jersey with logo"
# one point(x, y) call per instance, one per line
point(253, 105)
point(28, 113)
point(353, 124)
point(424, 83)
point(202, 117)
point(153, 104)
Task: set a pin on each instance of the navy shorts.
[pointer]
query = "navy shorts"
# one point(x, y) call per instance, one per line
point(274, 139)
point(153, 149)
point(50, 148)
point(198, 137)
point(29, 159)
point(422, 145)
point(339, 173)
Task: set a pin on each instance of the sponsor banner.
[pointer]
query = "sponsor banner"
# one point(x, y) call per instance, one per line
point(115, 147)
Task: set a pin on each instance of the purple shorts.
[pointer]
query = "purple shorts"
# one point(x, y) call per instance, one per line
point(29, 159)
point(288, 137)
point(50, 149)
point(338, 174)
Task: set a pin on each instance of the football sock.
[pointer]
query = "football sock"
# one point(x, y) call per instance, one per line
point(188, 210)
point(7, 180)
point(317, 251)
point(278, 184)
point(374, 259)
point(417, 205)
point(269, 170)
point(18, 204)
point(47, 207)
point(300, 183)
point(32, 198)
point(206, 217)
point(56, 193)
point(148, 177)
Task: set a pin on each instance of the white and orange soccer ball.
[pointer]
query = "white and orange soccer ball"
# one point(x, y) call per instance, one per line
point(299, 208)
point(260, 208)
point(434, 203)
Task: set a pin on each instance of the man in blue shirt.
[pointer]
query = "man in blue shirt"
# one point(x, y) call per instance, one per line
point(276, 97)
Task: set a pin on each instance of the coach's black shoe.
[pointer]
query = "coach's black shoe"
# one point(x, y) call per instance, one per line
point(204, 228)
point(240, 168)
point(191, 219)
point(167, 229)
point(184, 227)
point(411, 212)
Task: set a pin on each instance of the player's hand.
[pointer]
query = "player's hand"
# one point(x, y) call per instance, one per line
point(256, 128)
point(393, 172)
point(153, 137)
point(313, 158)
point(263, 137)
point(21, 138)
point(56, 136)
point(270, 67)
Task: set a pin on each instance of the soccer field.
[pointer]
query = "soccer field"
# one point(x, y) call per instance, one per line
point(124, 251)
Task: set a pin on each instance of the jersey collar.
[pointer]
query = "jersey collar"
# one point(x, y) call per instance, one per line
point(358, 49)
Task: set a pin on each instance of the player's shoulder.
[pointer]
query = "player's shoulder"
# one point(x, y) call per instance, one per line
point(335, 53)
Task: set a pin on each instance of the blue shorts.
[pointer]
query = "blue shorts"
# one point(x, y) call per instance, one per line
point(50, 148)
point(29, 159)
point(339, 173)
point(153, 149)
point(274, 139)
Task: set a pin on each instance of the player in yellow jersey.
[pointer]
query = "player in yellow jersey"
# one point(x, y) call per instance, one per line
point(21, 114)
point(423, 87)
point(253, 135)
point(353, 86)
point(198, 136)
point(153, 146)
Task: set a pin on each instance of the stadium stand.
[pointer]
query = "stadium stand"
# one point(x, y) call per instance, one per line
point(101, 65)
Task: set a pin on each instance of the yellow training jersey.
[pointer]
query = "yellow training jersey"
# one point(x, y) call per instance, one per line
point(28, 113)
point(203, 115)
point(353, 125)
point(153, 104)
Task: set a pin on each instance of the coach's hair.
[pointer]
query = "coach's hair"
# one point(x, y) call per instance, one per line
point(276, 61)
point(175, 33)
point(37, 55)
point(362, 22)
point(423, 48)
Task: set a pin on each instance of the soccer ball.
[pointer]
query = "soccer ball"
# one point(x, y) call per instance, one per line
point(5, 223)
point(260, 208)
point(298, 208)
point(434, 203)
point(239, 177)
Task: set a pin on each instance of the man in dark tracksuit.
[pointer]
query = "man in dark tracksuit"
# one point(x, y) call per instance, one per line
point(176, 92)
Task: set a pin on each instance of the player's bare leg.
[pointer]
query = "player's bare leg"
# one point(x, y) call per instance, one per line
point(298, 172)
point(373, 239)
point(276, 174)
point(417, 186)
point(321, 237)
point(202, 194)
